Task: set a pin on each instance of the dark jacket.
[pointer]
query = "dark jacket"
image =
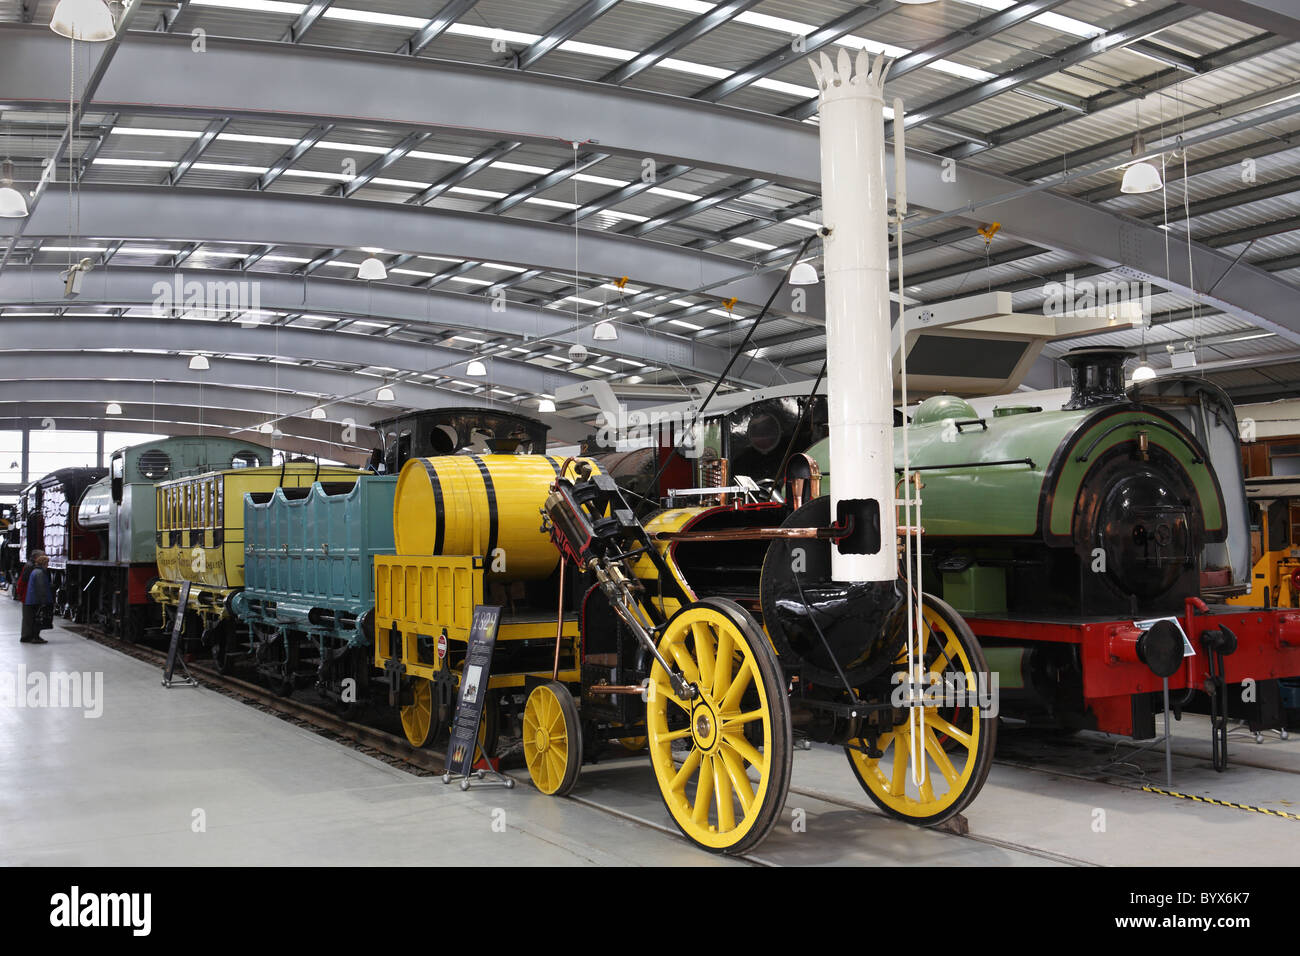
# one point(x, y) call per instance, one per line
point(39, 588)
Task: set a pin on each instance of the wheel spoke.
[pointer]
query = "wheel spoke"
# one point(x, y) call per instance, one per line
point(665, 690)
point(738, 686)
point(675, 735)
point(937, 754)
point(926, 789)
point(938, 723)
point(723, 663)
point(703, 792)
point(744, 748)
point(748, 717)
point(722, 795)
point(684, 661)
point(902, 749)
point(704, 651)
point(684, 772)
point(739, 779)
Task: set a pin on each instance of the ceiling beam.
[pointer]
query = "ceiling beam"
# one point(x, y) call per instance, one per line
point(436, 27)
point(566, 29)
point(258, 341)
point(131, 286)
point(232, 215)
point(243, 76)
point(1276, 16)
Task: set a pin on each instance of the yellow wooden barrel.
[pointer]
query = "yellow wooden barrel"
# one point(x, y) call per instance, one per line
point(488, 505)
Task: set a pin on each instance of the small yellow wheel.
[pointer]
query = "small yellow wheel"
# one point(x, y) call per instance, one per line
point(422, 718)
point(552, 739)
point(723, 758)
point(958, 739)
point(633, 744)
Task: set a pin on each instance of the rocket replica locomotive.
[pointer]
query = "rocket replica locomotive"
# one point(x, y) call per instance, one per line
point(735, 624)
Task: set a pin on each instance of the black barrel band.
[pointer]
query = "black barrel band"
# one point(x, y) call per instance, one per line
point(440, 515)
point(492, 505)
point(555, 465)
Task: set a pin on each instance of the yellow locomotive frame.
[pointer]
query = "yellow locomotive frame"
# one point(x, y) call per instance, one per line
point(420, 600)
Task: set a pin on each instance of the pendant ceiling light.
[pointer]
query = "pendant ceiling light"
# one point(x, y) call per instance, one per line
point(604, 331)
point(89, 20)
point(476, 369)
point(113, 409)
point(267, 428)
point(385, 394)
point(1144, 372)
point(199, 363)
point(318, 412)
point(372, 268)
point(12, 203)
point(1142, 176)
point(577, 352)
point(804, 273)
point(545, 405)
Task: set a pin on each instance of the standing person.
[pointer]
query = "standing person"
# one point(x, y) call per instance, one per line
point(20, 582)
point(39, 598)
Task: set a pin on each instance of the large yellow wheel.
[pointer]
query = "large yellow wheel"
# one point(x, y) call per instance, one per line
point(552, 739)
point(958, 740)
point(422, 718)
point(723, 758)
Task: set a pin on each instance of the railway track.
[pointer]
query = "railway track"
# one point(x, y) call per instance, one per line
point(395, 751)
point(378, 743)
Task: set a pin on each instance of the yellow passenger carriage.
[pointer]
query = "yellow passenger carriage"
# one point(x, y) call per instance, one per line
point(200, 539)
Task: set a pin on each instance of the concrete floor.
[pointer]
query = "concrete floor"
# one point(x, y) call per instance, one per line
point(126, 788)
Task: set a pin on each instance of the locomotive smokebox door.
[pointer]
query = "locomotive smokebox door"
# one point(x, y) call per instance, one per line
point(822, 628)
point(862, 517)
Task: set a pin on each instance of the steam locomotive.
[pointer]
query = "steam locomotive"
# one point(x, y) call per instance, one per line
point(109, 581)
point(48, 521)
point(1091, 550)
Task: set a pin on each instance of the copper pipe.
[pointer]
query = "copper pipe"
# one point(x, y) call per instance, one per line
point(559, 622)
point(751, 534)
point(616, 689)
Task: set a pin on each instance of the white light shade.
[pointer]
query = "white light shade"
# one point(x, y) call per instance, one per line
point(1144, 373)
point(476, 369)
point(113, 409)
point(318, 412)
point(277, 434)
point(89, 20)
point(385, 394)
point(1141, 177)
point(804, 273)
point(199, 363)
point(12, 203)
point(605, 331)
point(545, 405)
point(372, 268)
point(577, 353)
point(267, 428)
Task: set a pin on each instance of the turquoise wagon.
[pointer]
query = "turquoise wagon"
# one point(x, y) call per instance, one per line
point(308, 597)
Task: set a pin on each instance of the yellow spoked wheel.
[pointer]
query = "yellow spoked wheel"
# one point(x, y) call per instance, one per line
point(552, 739)
point(957, 734)
point(422, 718)
point(723, 758)
point(633, 744)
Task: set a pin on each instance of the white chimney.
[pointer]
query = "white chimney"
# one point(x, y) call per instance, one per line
point(858, 340)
